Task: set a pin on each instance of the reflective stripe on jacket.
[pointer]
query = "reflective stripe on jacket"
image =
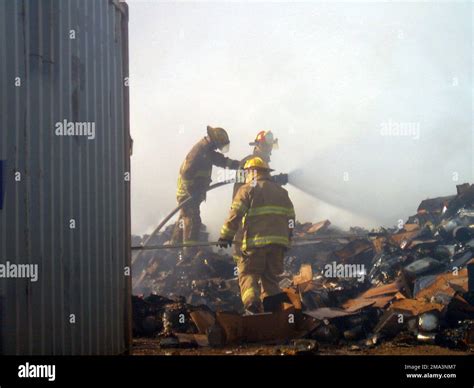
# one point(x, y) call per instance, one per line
point(195, 172)
point(263, 210)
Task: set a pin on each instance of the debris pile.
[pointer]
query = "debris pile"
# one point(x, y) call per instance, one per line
point(208, 279)
point(413, 284)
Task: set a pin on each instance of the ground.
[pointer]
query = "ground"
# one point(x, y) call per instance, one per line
point(147, 346)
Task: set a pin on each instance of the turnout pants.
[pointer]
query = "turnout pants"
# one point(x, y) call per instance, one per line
point(258, 273)
point(188, 226)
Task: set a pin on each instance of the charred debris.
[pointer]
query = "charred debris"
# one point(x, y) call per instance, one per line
point(410, 285)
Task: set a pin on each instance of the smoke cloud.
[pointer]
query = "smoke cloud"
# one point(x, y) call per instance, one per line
point(371, 102)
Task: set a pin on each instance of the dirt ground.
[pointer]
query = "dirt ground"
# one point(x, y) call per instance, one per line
point(147, 346)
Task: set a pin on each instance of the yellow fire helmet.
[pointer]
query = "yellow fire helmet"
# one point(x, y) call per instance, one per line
point(256, 163)
point(219, 137)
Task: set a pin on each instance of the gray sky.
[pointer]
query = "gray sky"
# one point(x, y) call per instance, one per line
point(371, 102)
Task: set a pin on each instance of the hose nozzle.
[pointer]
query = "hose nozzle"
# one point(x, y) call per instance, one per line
point(281, 179)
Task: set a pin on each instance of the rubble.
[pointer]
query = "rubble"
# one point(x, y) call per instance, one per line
point(300, 347)
point(209, 279)
point(416, 286)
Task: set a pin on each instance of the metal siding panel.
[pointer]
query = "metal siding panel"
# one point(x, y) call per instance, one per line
point(8, 121)
point(55, 163)
point(81, 270)
point(110, 192)
point(95, 232)
point(106, 167)
point(20, 160)
point(4, 79)
point(60, 220)
point(89, 89)
point(35, 133)
point(74, 150)
point(80, 206)
point(101, 184)
point(11, 194)
point(46, 189)
point(70, 194)
point(115, 190)
point(127, 230)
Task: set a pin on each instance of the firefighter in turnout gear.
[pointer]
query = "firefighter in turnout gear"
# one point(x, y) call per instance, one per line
point(194, 180)
point(263, 144)
point(265, 213)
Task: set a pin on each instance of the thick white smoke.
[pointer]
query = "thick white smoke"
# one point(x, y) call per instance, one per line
point(372, 102)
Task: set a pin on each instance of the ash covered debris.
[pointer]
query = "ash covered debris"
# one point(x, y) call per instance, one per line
point(411, 285)
point(209, 278)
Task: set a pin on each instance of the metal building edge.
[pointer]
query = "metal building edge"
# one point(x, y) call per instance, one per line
point(46, 76)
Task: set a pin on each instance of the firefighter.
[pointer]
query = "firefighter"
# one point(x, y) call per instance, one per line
point(266, 215)
point(194, 179)
point(263, 144)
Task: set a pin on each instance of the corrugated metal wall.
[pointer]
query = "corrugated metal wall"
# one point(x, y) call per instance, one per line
point(65, 60)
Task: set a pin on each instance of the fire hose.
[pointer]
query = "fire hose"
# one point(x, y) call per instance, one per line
point(279, 178)
point(171, 214)
point(215, 243)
